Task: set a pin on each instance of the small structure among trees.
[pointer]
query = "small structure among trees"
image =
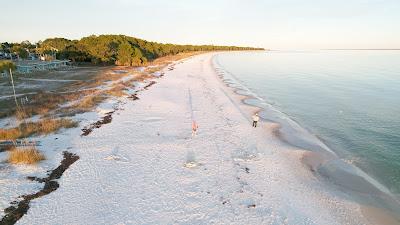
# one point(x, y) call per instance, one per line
point(31, 66)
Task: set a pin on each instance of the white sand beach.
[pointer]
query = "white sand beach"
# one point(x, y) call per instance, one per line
point(146, 168)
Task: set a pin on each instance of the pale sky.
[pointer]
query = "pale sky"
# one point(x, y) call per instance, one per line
point(274, 24)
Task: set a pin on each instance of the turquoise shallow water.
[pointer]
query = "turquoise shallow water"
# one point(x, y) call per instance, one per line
point(350, 99)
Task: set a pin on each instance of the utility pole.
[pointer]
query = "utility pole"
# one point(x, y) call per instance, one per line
point(16, 102)
point(12, 82)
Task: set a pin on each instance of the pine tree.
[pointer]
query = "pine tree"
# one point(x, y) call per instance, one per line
point(125, 52)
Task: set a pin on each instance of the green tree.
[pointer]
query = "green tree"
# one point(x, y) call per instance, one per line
point(58, 44)
point(20, 51)
point(23, 53)
point(6, 65)
point(110, 49)
point(125, 53)
point(137, 57)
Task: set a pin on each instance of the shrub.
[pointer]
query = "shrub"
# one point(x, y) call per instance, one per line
point(25, 155)
point(89, 102)
point(41, 127)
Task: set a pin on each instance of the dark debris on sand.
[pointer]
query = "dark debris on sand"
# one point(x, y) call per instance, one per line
point(20, 208)
point(149, 85)
point(104, 120)
point(133, 97)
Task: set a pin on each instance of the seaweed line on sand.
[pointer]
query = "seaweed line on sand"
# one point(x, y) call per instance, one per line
point(133, 97)
point(108, 117)
point(19, 208)
point(149, 85)
point(104, 120)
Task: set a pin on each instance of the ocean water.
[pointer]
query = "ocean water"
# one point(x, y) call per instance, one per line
point(348, 99)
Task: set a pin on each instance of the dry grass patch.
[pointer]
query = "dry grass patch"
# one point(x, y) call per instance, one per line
point(25, 155)
point(154, 69)
point(48, 126)
point(142, 77)
point(44, 103)
point(10, 134)
point(85, 105)
point(102, 77)
point(89, 102)
point(117, 90)
point(41, 127)
point(21, 114)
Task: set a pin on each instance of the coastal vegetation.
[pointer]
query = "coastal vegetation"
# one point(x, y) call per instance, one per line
point(25, 155)
point(108, 49)
point(42, 127)
point(5, 65)
point(85, 86)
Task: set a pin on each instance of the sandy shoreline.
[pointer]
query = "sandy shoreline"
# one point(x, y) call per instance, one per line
point(132, 171)
point(377, 204)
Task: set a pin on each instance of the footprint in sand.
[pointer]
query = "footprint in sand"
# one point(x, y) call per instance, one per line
point(191, 160)
point(117, 157)
point(249, 203)
point(245, 155)
point(152, 119)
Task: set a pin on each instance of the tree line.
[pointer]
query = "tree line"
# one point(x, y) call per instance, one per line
point(108, 49)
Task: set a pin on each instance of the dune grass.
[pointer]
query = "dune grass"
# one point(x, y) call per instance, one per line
point(25, 155)
point(41, 127)
point(44, 103)
point(89, 102)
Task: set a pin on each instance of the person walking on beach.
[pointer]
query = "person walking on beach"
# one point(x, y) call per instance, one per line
point(194, 128)
point(256, 118)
